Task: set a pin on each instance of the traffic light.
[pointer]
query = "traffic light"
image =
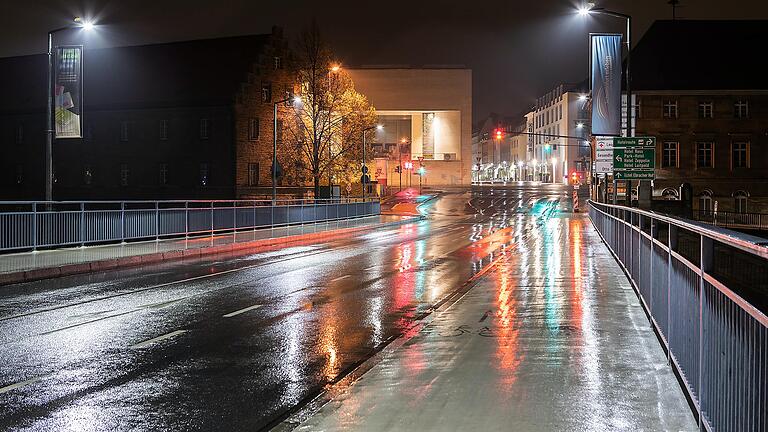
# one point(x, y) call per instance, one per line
point(422, 171)
point(408, 165)
point(499, 133)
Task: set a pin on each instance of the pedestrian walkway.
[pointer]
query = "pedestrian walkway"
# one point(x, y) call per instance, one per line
point(46, 259)
point(552, 338)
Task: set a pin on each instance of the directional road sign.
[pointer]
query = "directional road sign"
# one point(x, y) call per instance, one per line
point(634, 158)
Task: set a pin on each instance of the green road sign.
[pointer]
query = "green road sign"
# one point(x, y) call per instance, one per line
point(633, 159)
point(634, 142)
point(634, 175)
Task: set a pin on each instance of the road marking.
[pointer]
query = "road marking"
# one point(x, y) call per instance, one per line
point(340, 278)
point(238, 312)
point(158, 339)
point(20, 384)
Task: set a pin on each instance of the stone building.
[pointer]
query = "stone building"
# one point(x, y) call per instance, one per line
point(701, 91)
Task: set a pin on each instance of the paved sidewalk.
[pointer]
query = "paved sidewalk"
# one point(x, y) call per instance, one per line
point(551, 339)
point(78, 259)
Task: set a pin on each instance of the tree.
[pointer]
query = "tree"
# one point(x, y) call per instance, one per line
point(330, 116)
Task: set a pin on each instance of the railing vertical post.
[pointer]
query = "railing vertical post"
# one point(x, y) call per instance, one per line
point(650, 262)
point(705, 265)
point(82, 224)
point(234, 220)
point(254, 215)
point(157, 221)
point(122, 222)
point(34, 226)
point(671, 246)
point(186, 219)
point(211, 220)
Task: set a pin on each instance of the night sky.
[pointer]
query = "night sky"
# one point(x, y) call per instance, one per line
point(516, 49)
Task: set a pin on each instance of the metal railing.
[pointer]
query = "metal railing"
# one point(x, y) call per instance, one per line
point(29, 225)
point(705, 290)
point(736, 220)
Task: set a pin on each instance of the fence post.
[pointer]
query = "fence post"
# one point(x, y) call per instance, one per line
point(122, 222)
point(82, 224)
point(671, 246)
point(157, 221)
point(705, 265)
point(34, 226)
point(211, 220)
point(186, 219)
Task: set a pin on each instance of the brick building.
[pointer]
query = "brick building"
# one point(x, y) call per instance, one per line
point(701, 90)
point(177, 120)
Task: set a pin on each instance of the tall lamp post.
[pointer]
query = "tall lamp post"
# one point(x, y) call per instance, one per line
point(588, 9)
point(77, 22)
point(294, 99)
point(364, 176)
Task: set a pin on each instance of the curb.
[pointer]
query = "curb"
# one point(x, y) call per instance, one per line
point(176, 255)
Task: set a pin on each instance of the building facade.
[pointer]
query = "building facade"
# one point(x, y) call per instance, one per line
point(426, 114)
point(709, 117)
point(177, 120)
point(560, 127)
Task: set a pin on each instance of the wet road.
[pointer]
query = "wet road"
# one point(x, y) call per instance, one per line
point(237, 343)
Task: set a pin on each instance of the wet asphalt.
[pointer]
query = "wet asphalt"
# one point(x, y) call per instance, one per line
point(239, 342)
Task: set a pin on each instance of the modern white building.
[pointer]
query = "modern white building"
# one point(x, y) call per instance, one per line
point(561, 125)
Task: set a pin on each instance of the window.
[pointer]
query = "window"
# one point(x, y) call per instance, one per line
point(266, 92)
point(124, 174)
point(253, 128)
point(204, 126)
point(163, 174)
point(277, 62)
point(740, 155)
point(19, 174)
point(669, 194)
point(704, 151)
point(740, 201)
point(123, 131)
point(741, 109)
point(19, 134)
point(669, 153)
point(203, 174)
point(163, 130)
point(706, 109)
point(87, 175)
point(253, 174)
point(705, 202)
point(670, 109)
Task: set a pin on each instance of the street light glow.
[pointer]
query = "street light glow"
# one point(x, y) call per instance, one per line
point(84, 24)
point(579, 125)
point(582, 98)
point(583, 11)
point(379, 127)
point(335, 68)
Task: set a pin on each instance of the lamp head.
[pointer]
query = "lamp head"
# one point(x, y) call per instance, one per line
point(379, 127)
point(84, 24)
point(586, 8)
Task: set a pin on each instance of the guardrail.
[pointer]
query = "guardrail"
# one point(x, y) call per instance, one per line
point(705, 291)
point(749, 221)
point(26, 225)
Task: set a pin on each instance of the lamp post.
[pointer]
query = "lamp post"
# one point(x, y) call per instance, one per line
point(77, 22)
point(364, 177)
point(554, 169)
point(294, 99)
point(588, 9)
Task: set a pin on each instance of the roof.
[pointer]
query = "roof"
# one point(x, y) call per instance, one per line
point(701, 55)
point(188, 73)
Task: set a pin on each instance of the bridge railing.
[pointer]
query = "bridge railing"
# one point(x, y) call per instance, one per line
point(30, 225)
point(705, 290)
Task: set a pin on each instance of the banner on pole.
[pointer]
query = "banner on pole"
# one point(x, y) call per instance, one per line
point(68, 92)
point(605, 57)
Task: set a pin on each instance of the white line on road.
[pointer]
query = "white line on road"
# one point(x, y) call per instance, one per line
point(158, 339)
point(340, 278)
point(238, 312)
point(20, 384)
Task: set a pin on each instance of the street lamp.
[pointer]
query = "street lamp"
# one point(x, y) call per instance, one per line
point(77, 22)
point(295, 100)
point(587, 9)
point(364, 175)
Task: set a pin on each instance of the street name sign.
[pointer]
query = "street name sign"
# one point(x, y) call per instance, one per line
point(634, 158)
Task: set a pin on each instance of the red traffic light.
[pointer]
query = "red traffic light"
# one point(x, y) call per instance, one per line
point(499, 133)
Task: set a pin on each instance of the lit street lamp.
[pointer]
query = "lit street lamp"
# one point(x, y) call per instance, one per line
point(77, 22)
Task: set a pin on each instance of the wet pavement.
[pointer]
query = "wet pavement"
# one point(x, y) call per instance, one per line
point(241, 342)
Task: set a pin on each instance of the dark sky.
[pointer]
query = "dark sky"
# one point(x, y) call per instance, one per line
point(517, 49)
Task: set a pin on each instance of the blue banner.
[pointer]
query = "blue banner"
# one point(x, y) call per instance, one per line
point(606, 84)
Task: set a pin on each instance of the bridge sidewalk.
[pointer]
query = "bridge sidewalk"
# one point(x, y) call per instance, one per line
point(44, 264)
point(552, 338)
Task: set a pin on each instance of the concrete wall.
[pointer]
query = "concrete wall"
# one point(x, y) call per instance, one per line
point(447, 93)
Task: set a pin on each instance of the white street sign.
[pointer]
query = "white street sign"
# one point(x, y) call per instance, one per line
point(604, 144)
point(604, 155)
point(604, 166)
